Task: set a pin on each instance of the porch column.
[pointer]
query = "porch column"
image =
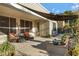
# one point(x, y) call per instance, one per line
point(17, 25)
point(50, 28)
point(34, 29)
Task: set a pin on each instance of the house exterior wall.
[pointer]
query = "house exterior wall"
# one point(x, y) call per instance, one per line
point(51, 29)
point(44, 28)
point(61, 24)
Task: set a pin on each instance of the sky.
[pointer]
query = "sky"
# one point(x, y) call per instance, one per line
point(60, 7)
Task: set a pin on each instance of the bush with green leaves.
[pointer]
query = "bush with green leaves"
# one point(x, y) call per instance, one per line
point(63, 38)
point(75, 51)
point(7, 49)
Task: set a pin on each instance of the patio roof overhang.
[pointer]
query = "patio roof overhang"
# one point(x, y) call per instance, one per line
point(22, 12)
point(52, 16)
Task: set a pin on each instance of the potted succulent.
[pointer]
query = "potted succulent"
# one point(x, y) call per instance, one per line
point(55, 42)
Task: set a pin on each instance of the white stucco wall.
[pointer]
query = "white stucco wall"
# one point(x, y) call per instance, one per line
point(44, 28)
point(51, 26)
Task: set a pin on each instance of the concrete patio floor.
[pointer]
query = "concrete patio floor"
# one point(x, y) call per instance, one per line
point(36, 47)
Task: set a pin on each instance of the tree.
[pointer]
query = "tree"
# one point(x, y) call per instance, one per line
point(68, 12)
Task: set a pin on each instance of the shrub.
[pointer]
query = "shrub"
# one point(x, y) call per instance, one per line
point(7, 49)
point(63, 38)
point(75, 51)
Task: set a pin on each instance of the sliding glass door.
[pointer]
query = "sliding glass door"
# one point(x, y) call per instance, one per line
point(7, 24)
point(4, 25)
point(12, 25)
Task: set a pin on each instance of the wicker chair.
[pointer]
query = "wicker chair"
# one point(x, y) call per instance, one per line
point(13, 37)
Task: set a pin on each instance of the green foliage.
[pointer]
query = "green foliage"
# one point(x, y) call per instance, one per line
point(63, 38)
point(67, 28)
point(75, 51)
point(74, 27)
point(68, 13)
point(48, 35)
point(7, 49)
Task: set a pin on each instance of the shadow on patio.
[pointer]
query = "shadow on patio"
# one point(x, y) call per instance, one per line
point(36, 40)
point(51, 49)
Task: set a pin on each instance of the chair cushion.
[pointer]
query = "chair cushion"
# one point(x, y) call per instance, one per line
point(26, 34)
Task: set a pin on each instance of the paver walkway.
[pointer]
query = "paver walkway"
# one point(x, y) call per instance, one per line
point(37, 48)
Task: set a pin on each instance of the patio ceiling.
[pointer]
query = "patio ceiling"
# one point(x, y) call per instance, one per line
point(18, 12)
point(52, 16)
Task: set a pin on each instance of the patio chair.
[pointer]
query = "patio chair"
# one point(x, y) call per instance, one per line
point(26, 35)
point(13, 37)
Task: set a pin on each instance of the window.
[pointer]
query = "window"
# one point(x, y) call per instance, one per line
point(7, 24)
point(4, 24)
point(12, 24)
point(25, 25)
point(22, 25)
